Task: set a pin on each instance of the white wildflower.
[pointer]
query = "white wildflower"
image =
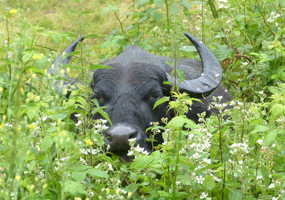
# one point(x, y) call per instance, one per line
point(203, 195)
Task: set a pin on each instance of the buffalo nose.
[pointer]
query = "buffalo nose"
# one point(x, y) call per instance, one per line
point(118, 137)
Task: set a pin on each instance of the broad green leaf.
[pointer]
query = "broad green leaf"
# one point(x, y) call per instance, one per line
point(265, 174)
point(160, 101)
point(141, 3)
point(32, 112)
point(174, 9)
point(158, 3)
point(164, 194)
point(93, 67)
point(269, 137)
point(235, 195)
point(186, 4)
point(277, 109)
point(73, 188)
point(82, 167)
point(142, 162)
point(46, 143)
point(78, 176)
point(96, 173)
point(259, 128)
point(156, 16)
point(180, 121)
point(209, 184)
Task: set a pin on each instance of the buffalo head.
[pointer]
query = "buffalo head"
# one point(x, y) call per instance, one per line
point(135, 83)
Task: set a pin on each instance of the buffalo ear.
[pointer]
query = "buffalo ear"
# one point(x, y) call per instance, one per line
point(210, 77)
point(56, 68)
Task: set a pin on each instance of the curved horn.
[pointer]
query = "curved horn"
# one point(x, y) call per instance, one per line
point(56, 67)
point(211, 75)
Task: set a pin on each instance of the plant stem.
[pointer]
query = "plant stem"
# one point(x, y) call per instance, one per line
point(176, 163)
point(167, 15)
point(8, 43)
point(264, 20)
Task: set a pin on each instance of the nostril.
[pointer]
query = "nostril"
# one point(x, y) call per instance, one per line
point(133, 135)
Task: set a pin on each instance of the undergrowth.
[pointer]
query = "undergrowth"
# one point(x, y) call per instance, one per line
point(47, 155)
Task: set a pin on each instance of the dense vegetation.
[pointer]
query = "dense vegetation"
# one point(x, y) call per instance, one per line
point(46, 155)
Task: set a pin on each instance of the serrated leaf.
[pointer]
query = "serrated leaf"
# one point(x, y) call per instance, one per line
point(235, 195)
point(209, 184)
point(78, 176)
point(156, 16)
point(141, 3)
point(269, 137)
point(265, 174)
point(158, 3)
point(277, 109)
point(96, 173)
point(142, 162)
point(73, 188)
point(32, 112)
point(174, 9)
point(259, 128)
point(93, 67)
point(46, 143)
point(160, 101)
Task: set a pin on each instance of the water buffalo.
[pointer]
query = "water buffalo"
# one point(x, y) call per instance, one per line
point(136, 82)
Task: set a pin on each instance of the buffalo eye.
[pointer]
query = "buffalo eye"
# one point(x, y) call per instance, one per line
point(157, 95)
point(96, 95)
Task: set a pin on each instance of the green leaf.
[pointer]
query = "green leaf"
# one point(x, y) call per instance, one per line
point(188, 48)
point(141, 3)
point(32, 112)
point(235, 195)
point(78, 176)
point(46, 143)
point(158, 3)
point(277, 109)
point(73, 188)
point(180, 121)
point(87, 12)
point(92, 35)
point(96, 173)
point(142, 162)
point(186, 4)
point(269, 137)
point(93, 67)
point(164, 194)
point(156, 16)
point(174, 9)
point(160, 101)
point(265, 174)
point(259, 128)
point(106, 116)
point(209, 184)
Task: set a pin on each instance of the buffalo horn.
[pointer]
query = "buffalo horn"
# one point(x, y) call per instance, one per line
point(211, 75)
point(56, 68)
